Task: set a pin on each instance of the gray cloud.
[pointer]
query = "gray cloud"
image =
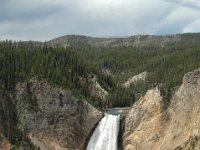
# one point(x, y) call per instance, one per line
point(193, 4)
point(46, 19)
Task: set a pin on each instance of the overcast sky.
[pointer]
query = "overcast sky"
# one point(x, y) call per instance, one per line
point(47, 19)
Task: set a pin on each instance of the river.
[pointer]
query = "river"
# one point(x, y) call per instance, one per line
point(105, 136)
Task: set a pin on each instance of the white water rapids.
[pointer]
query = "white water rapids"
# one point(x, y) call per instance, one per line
point(106, 134)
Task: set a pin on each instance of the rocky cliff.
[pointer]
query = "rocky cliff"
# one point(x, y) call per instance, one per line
point(153, 126)
point(52, 117)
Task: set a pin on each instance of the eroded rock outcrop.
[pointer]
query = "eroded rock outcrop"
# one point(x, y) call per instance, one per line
point(96, 90)
point(52, 117)
point(135, 79)
point(151, 126)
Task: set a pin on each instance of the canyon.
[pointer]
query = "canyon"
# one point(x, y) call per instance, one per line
point(59, 121)
point(51, 98)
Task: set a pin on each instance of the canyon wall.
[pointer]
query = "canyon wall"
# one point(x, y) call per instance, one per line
point(154, 124)
point(52, 117)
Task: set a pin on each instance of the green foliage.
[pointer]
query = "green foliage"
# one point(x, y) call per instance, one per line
point(121, 97)
point(19, 62)
point(8, 121)
point(23, 142)
point(8, 117)
point(73, 68)
point(166, 64)
point(59, 66)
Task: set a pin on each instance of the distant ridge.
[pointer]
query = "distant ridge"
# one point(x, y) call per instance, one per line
point(132, 41)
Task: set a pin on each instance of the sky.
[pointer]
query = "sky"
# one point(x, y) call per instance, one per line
point(46, 19)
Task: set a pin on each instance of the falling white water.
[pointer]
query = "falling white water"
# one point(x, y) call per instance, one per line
point(106, 134)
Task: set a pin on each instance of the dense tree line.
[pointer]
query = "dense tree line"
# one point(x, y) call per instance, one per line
point(166, 64)
point(73, 68)
point(59, 66)
point(21, 61)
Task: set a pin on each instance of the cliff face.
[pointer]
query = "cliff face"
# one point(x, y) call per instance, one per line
point(53, 118)
point(150, 125)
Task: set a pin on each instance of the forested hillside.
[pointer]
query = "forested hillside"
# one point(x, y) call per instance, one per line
point(23, 61)
point(150, 41)
point(59, 66)
point(73, 67)
point(166, 65)
point(76, 68)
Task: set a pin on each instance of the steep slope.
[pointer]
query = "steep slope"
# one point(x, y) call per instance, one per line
point(153, 126)
point(52, 117)
point(96, 90)
point(133, 80)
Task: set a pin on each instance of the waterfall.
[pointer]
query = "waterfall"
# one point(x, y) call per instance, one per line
point(105, 136)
